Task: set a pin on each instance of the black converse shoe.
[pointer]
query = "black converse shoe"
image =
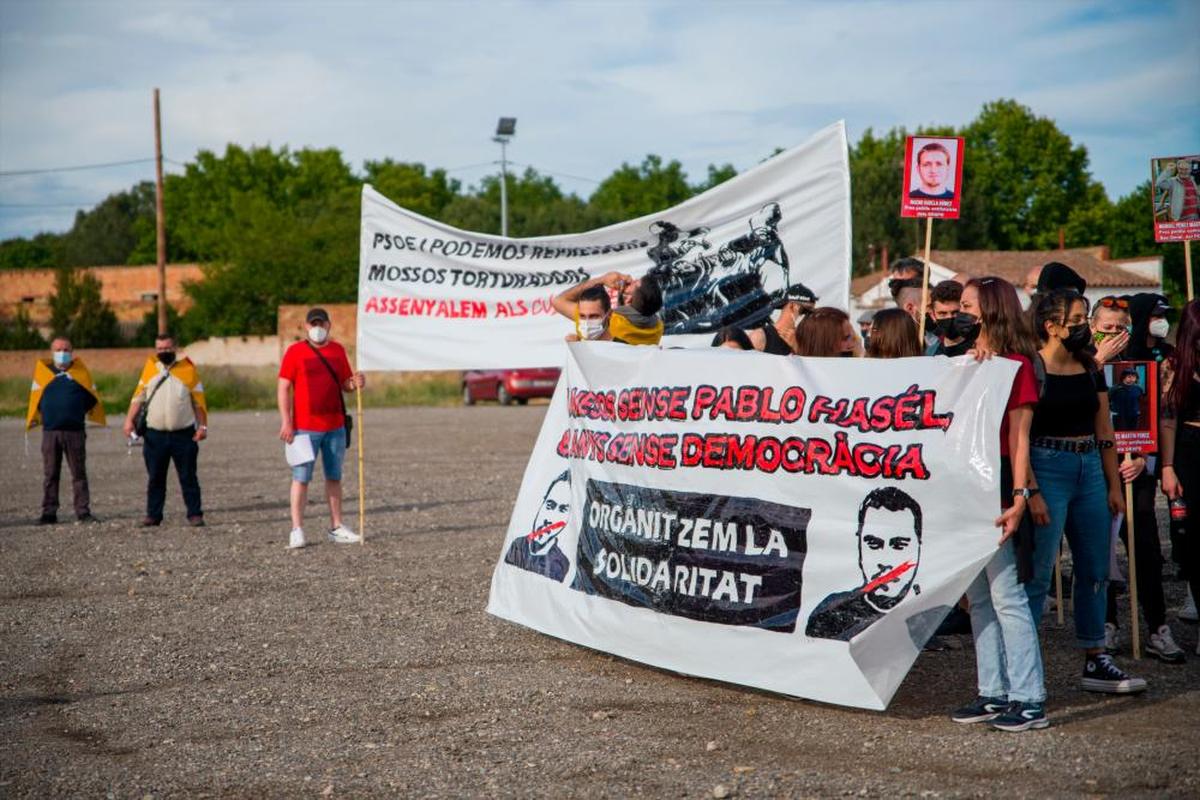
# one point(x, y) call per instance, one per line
point(1100, 674)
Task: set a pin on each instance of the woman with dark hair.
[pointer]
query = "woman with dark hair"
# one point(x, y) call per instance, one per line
point(1181, 437)
point(893, 335)
point(733, 338)
point(827, 333)
point(1008, 659)
point(1076, 470)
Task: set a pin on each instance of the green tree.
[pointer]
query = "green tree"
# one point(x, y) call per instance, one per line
point(78, 311)
point(39, 252)
point(110, 232)
point(408, 185)
point(536, 207)
point(147, 330)
point(636, 191)
point(18, 333)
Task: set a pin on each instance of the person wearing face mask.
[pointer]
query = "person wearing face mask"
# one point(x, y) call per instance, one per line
point(1075, 467)
point(63, 396)
point(312, 377)
point(779, 337)
point(176, 421)
point(589, 306)
point(941, 336)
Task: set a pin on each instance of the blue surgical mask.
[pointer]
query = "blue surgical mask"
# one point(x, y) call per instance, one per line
point(62, 358)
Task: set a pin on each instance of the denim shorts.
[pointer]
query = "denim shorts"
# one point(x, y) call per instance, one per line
point(331, 445)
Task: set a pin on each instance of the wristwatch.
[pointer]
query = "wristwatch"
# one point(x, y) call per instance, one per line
point(204, 428)
point(1026, 493)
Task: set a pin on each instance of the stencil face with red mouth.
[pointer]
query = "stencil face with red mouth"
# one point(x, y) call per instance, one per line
point(889, 550)
point(551, 516)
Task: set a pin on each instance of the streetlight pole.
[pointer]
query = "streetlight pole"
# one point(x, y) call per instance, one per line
point(506, 128)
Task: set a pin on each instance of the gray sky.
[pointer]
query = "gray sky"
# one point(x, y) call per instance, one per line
point(593, 84)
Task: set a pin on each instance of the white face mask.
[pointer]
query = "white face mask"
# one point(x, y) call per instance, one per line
point(1159, 327)
point(62, 358)
point(591, 328)
point(317, 334)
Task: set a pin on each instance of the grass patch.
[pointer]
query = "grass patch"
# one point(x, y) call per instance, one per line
point(253, 388)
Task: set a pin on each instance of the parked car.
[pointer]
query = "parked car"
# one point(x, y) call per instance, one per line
point(508, 385)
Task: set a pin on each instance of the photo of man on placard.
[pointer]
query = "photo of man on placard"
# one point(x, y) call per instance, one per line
point(933, 169)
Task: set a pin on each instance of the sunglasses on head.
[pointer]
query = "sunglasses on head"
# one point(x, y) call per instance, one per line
point(1114, 302)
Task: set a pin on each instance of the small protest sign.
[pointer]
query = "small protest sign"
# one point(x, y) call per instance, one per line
point(1174, 183)
point(932, 177)
point(1133, 403)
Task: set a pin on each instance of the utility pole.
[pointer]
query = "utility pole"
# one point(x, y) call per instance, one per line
point(160, 222)
point(506, 128)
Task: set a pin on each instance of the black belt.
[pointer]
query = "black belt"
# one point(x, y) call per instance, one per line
point(1070, 445)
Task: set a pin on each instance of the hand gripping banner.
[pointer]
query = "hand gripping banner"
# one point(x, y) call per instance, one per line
point(432, 297)
point(796, 525)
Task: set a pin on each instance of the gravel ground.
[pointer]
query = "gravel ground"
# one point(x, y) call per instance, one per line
point(185, 662)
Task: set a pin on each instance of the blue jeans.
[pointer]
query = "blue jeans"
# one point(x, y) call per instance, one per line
point(1008, 659)
point(1074, 487)
point(331, 447)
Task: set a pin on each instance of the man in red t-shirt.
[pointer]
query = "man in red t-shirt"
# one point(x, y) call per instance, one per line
point(312, 377)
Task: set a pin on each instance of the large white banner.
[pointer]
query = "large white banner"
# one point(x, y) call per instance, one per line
point(797, 525)
point(435, 297)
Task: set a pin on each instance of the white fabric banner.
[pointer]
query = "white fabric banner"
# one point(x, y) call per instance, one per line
point(432, 297)
point(784, 525)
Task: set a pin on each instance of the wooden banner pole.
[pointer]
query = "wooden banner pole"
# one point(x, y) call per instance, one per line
point(362, 491)
point(1187, 264)
point(1133, 600)
point(1058, 586)
point(925, 284)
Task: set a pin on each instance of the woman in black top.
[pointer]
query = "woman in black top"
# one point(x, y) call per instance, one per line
point(1181, 437)
point(1075, 469)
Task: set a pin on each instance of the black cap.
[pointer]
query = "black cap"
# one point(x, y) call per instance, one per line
point(1161, 306)
point(316, 315)
point(800, 293)
point(1059, 276)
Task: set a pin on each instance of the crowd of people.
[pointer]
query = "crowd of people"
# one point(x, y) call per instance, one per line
point(1060, 473)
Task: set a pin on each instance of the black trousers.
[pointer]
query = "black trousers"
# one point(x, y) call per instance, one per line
point(1147, 552)
point(1187, 468)
point(73, 445)
point(159, 450)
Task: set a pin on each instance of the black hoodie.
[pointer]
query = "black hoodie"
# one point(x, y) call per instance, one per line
point(1140, 308)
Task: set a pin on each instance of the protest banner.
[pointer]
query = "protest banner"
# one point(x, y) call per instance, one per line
point(1175, 197)
point(432, 297)
point(796, 525)
point(932, 189)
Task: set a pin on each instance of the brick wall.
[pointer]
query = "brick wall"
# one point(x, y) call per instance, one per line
point(121, 287)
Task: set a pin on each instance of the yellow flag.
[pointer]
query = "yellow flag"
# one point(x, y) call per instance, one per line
point(44, 372)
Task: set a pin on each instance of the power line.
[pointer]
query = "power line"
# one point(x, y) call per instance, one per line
point(553, 172)
point(50, 205)
point(17, 172)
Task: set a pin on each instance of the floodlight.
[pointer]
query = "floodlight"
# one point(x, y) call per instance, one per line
point(507, 126)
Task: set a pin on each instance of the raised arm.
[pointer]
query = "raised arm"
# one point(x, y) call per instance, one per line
point(567, 303)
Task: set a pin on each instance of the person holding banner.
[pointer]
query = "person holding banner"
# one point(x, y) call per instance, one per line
point(1181, 440)
point(1008, 659)
point(312, 378)
point(635, 321)
point(1075, 467)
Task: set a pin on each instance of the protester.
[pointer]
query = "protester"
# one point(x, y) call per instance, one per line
point(907, 294)
point(176, 421)
point(779, 337)
point(942, 337)
point(827, 333)
point(893, 335)
point(63, 397)
point(906, 269)
point(1110, 327)
point(732, 338)
point(1030, 288)
point(1056, 275)
point(1181, 439)
point(1008, 658)
point(589, 306)
point(864, 325)
point(312, 378)
point(1075, 468)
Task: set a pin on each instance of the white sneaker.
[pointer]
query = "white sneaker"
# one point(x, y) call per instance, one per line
point(296, 540)
point(1162, 646)
point(343, 535)
point(1188, 612)
point(1112, 641)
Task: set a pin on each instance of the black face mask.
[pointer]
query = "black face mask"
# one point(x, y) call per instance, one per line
point(167, 358)
point(941, 327)
point(966, 327)
point(846, 354)
point(1078, 337)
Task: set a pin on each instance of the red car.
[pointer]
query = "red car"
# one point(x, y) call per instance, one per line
point(506, 385)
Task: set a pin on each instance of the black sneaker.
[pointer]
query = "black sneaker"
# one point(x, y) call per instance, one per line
point(1100, 674)
point(1021, 717)
point(984, 709)
point(48, 519)
point(86, 519)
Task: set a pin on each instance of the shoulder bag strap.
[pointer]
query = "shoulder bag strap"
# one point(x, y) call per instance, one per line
point(332, 374)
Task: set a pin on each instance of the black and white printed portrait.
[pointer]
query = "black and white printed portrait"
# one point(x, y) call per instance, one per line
point(538, 550)
point(889, 553)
